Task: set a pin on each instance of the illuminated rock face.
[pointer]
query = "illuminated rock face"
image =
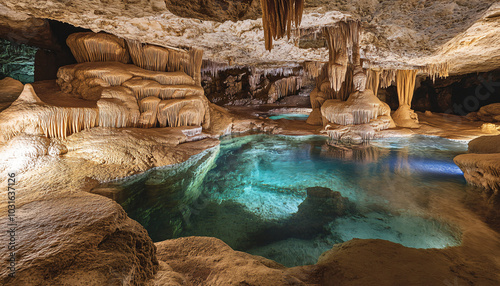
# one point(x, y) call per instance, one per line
point(481, 166)
point(121, 95)
point(80, 239)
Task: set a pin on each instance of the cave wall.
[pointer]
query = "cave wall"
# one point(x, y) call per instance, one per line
point(249, 86)
point(458, 95)
point(17, 61)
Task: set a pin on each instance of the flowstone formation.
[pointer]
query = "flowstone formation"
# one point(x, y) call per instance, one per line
point(165, 92)
point(359, 118)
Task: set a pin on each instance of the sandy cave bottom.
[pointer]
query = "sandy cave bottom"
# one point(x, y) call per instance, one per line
point(290, 198)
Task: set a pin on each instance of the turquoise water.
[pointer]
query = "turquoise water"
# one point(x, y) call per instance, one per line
point(291, 198)
point(290, 116)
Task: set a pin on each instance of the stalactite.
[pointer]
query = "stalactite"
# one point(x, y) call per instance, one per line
point(387, 77)
point(312, 69)
point(180, 91)
point(59, 122)
point(143, 88)
point(190, 115)
point(97, 47)
point(337, 40)
point(149, 103)
point(169, 112)
point(148, 57)
point(405, 82)
point(353, 45)
point(158, 58)
point(149, 110)
point(213, 68)
point(373, 80)
point(127, 99)
point(194, 67)
point(343, 46)
point(278, 17)
point(113, 113)
point(284, 87)
point(434, 71)
point(281, 71)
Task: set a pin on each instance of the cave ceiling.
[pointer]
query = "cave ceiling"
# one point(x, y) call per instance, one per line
point(397, 34)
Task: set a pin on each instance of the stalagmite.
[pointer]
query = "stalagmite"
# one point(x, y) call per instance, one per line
point(317, 98)
point(97, 47)
point(278, 17)
point(404, 116)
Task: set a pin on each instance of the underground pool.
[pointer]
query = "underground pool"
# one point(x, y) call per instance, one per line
point(291, 198)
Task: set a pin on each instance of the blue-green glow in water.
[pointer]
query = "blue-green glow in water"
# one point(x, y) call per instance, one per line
point(291, 198)
point(290, 116)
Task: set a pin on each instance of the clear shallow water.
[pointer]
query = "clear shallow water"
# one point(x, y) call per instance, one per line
point(290, 116)
point(291, 198)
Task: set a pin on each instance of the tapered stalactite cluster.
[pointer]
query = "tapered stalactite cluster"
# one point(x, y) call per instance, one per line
point(343, 47)
point(439, 70)
point(278, 16)
point(312, 69)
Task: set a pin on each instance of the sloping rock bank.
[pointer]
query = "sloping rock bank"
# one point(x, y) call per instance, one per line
point(481, 166)
point(80, 239)
point(209, 261)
